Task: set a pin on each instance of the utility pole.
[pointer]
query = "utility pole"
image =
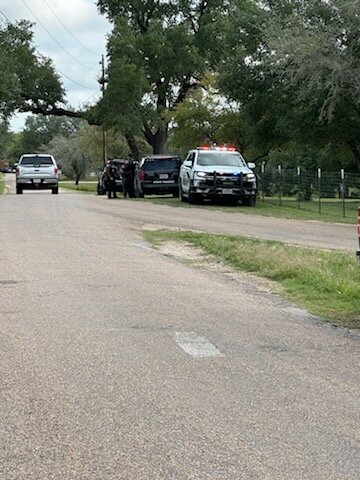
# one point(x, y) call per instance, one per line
point(104, 131)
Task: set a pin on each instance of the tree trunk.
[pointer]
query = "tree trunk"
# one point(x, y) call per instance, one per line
point(157, 140)
point(355, 149)
point(133, 146)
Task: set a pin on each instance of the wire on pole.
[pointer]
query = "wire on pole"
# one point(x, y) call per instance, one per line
point(102, 82)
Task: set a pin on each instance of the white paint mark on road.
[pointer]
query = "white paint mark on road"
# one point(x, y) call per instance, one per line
point(196, 346)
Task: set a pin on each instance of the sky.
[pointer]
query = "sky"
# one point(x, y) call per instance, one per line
point(73, 34)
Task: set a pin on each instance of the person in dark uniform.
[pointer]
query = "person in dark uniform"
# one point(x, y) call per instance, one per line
point(111, 179)
point(128, 173)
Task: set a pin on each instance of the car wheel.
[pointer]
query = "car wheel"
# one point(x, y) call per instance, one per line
point(18, 190)
point(181, 194)
point(55, 190)
point(193, 197)
point(249, 201)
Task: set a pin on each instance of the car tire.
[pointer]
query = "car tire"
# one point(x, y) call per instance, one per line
point(193, 198)
point(19, 190)
point(181, 194)
point(55, 190)
point(249, 201)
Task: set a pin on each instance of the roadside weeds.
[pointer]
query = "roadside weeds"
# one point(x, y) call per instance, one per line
point(326, 284)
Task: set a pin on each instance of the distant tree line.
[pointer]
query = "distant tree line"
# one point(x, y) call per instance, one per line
point(280, 79)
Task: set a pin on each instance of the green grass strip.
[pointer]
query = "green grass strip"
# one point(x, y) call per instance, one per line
point(88, 187)
point(326, 283)
point(269, 208)
point(2, 184)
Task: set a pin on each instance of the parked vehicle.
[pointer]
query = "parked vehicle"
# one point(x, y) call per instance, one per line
point(101, 186)
point(157, 175)
point(217, 172)
point(37, 172)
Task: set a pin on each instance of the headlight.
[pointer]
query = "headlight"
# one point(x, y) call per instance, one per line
point(200, 174)
point(251, 177)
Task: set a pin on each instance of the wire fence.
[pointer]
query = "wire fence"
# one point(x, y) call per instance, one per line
point(332, 193)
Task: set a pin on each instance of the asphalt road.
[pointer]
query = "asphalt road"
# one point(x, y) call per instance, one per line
point(119, 362)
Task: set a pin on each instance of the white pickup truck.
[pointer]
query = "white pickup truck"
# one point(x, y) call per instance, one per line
point(37, 172)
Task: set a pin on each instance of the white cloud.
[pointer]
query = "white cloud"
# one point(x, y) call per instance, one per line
point(73, 34)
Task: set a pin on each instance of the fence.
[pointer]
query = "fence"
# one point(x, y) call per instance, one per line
point(332, 193)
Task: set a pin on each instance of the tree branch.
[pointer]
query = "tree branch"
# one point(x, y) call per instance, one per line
point(60, 112)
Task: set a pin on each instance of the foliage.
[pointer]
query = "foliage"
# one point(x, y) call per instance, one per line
point(244, 79)
point(299, 85)
point(206, 117)
point(318, 59)
point(5, 139)
point(10, 144)
point(284, 80)
point(27, 80)
point(80, 152)
point(295, 74)
point(158, 52)
point(90, 140)
point(40, 130)
point(70, 157)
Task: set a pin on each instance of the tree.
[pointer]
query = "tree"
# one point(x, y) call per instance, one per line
point(317, 60)
point(295, 75)
point(39, 130)
point(244, 78)
point(28, 81)
point(80, 152)
point(5, 138)
point(158, 53)
point(70, 156)
point(205, 117)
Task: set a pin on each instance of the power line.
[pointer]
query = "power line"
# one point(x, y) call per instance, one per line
point(70, 33)
point(3, 14)
point(41, 55)
point(50, 34)
point(74, 81)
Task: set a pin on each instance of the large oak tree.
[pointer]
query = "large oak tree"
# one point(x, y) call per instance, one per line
point(158, 52)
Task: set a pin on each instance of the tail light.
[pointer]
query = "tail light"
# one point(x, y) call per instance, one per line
point(17, 171)
point(56, 170)
point(141, 175)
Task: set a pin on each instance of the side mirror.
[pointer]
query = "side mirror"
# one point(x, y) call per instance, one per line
point(251, 165)
point(188, 163)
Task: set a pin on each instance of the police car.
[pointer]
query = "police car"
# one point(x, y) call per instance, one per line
point(217, 172)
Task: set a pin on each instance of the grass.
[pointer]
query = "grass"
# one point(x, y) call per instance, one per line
point(326, 284)
point(270, 208)
point(87, 187)
point(2, 184)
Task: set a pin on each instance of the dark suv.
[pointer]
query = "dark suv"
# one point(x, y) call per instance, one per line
point(157, 175)
point(101, 186)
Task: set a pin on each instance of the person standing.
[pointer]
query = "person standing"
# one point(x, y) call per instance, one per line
point(111, 179)
point(128, 171)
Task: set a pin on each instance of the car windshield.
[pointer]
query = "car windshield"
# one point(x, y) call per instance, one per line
point(170, 163)
point(227, 159)
point(35, 160)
